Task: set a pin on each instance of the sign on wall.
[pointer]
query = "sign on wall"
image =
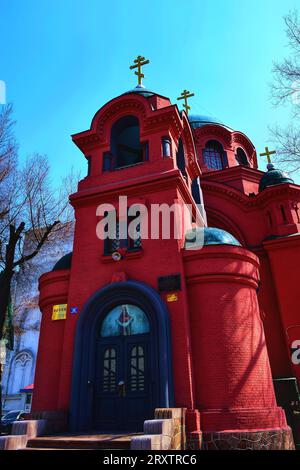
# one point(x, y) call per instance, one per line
point(59, 312)
point(172, 297)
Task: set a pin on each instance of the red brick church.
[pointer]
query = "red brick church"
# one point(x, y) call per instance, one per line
point(151, 324)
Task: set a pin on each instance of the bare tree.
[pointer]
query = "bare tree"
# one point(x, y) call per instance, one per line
point(286, 90)
point(29, 204)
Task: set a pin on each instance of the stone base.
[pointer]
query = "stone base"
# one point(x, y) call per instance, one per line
point(21, 432)
point(165, 432)
point(30, 428)
point(194, 440)
point(13, 442)
point(56, 422)
point(270, 439)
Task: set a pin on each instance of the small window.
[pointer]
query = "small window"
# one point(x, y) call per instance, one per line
point(107, 161)
point(241, 157)
point(111, 245)
point(132, 244)
point(180, 159)
point(196, 192)
point(89, 160)
point(214, 156)
point(166, 147)
point(283, 215)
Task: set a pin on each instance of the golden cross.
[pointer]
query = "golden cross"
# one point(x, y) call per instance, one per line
point(139, 62)
point(184, 96)
point(268, 153)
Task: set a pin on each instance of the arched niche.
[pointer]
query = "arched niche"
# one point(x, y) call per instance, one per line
point(125, 144)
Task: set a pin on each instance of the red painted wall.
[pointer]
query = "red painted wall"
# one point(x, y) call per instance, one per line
point(233, 378)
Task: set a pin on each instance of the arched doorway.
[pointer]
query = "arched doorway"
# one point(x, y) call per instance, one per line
point(123, 392)
point(122, 359)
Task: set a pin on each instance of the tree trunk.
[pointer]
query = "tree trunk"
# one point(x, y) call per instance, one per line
point(8, 272)
point(5, 288)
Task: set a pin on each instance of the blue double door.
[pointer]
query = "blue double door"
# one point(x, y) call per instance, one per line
point(125, 383)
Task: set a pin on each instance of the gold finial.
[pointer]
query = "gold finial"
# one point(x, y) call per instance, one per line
point(267, 154)
point(184, 96)
point(139, 62)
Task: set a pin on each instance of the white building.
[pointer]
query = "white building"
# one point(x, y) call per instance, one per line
point(20, 363)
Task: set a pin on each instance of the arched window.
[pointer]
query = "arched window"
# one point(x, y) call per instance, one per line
point(125, 320)
point(285, 221)
point(126, 148)
point(241, 157)
point(21, 372)
point(214, 156)
point(166, 146)
point(180, 160)
point(196, 192)
point(128, 242)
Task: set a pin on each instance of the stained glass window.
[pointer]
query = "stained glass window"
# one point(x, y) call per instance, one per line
point(125, 320)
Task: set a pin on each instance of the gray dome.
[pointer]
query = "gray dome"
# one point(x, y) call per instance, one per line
point(197, 120)
point(212, 236)
point(273, 177)
point(141, 90)
point(63, 263)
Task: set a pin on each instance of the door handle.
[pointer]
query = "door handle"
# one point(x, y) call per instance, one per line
point(122, 388)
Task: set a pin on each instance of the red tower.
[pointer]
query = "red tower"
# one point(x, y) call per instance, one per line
point(168, 323)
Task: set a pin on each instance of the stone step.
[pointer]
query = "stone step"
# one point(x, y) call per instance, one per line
point(92, 442)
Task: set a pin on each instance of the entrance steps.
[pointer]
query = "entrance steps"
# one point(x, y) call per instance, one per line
point(81, 442)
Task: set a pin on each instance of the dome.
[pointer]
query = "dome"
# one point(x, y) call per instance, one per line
point(198, 120)
point(141, 90)
point(273, 177)
point(63, 263)
point(212, 236)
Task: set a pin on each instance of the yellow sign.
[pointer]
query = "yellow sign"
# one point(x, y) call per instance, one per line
point(59, 312)
point(172, 298)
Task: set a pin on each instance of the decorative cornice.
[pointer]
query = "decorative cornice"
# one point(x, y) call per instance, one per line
point(232, 173)
point(122, 106)
point(222, 251)
point(87, 141)
point(150, 183)
point(215, 130)
point(231, 193)
point(265, 196)
point(239, 138)
point(282, 242)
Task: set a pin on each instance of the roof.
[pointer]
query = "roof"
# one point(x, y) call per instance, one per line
point(141, 90)
point(63, 263)
point(200, 120)
point(27, 389)
point(274, 177)
point(212, 236)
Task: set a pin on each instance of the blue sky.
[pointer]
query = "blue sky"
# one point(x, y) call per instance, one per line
point(62, 60)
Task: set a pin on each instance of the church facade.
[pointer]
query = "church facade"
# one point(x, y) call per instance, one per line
point(165, 323)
